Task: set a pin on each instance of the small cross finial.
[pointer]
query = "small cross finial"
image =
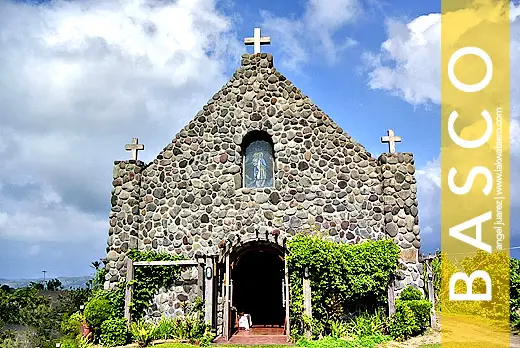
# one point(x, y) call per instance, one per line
point(257, 40)
point(134, 147)
point(391, 139)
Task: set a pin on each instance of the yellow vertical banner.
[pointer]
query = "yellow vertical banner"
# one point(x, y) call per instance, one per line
point(475, 108)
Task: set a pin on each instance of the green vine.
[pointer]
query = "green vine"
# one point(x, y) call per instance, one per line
point(149, 279)
point(341, 276)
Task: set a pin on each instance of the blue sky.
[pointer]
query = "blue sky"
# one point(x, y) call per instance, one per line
point(79, 79)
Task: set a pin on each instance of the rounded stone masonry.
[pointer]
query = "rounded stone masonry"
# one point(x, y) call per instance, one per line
point(192, 198)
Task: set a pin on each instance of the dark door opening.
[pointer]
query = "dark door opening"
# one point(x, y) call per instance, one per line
point(258, 276)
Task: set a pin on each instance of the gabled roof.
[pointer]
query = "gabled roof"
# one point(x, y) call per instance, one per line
point(258, 94)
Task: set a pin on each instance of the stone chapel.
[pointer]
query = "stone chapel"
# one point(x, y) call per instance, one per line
point(256, 165)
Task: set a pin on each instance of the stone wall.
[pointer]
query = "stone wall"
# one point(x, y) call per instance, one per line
point(193, 189)
point(399, 196)
point(124, 218)
point(173, 301)
point(190, 200)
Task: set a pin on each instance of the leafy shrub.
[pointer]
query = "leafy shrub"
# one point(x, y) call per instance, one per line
point(366, 324)
point(116, 298)
point(341, 276)
point(9, 342)
point(83, 342)
point(97, 310)
point(191, 327)
point(70, 326)
point(166, 328)
point(207, 338)
point(114, 332)
point(410, 293)
point(313, 325)
point(98, 280)
point(422, 312)
point(69, 301)
point(402, 324)
point(69, 343)
point(8, 339)
point(412, 314)
point(339, 329)
point(497, 265)
point(142, 332)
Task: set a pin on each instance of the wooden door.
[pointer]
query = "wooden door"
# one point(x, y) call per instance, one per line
point(287, 302)
point(227, 301)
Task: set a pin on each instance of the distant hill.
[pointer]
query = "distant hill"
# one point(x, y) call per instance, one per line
point(67, 282)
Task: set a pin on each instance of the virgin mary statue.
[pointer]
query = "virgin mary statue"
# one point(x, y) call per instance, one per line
point(260, 169)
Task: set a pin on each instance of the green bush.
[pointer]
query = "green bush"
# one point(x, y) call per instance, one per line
point(191, 327)
point(70, 326)
point(70, 300)
point(10, 343)
point(505, 290)
point(366, 324)
point(97, 310)
point(410, 293)
point(69, 343)
point(339, 329)
point(341, 276)
point(142, 332)
point(114, 332)
point(83, 342)
point(422, 312)
point(402, 324)
point(8, 339)
point(80, 342)
point(116, 298)
point(166, 328)
point(207, 338)
point(412, 314)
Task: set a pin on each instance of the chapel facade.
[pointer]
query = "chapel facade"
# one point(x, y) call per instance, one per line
point(258, 164)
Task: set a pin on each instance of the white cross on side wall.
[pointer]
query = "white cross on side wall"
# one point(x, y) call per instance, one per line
point(391, 139)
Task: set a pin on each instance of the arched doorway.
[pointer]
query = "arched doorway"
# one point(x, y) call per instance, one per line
point(258, 284)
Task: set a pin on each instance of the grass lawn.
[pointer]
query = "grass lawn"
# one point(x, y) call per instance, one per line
point(185, 345)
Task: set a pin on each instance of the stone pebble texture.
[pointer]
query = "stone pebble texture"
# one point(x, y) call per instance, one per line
point(191, 199)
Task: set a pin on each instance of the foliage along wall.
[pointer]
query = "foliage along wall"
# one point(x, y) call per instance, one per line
point(342, 276)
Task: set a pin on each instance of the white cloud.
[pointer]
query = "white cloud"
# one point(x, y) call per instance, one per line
point(79, 80)
point(316, 30)
point(409, 61)
point(408, 66)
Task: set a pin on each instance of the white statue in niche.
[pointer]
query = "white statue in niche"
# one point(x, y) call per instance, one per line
point(260, 169)
point(259, 165)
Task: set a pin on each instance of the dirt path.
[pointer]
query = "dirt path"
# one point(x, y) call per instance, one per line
point(468, 330)
point(428, 338)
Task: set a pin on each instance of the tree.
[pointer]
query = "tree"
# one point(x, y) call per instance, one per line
point(54, 285)
point(37, 286)
point(96, 265)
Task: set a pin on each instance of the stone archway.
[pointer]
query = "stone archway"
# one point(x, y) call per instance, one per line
point(257, 284)
point(257, 275)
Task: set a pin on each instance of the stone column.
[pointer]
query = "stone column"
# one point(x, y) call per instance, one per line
point(208, 292)
point(401, 214)
point(431, 290)
point(124, 218)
